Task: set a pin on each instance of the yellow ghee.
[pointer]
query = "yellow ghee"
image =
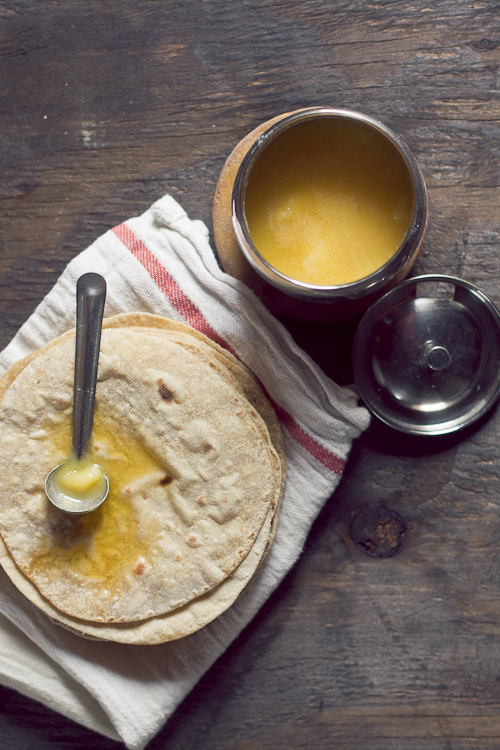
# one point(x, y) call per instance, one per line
point(103, 543)
point(328, 202)
point(79, 478)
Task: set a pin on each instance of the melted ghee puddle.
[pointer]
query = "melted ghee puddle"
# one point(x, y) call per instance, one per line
point(105, 543)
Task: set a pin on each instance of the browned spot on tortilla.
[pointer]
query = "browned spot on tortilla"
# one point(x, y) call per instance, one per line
point(207, 448)
point(165, 393)
point(140, 569)
point(166, 480)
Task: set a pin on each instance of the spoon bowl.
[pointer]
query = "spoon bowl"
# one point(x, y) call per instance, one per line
point(73, 502)
point(79, 485)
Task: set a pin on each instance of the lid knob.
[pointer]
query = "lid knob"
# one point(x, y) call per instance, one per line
point(437, 357)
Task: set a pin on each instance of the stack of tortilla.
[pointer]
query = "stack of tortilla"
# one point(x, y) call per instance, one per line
point(194, 454)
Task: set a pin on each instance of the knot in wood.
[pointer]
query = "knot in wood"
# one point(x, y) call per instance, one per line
point(485, 45)
point(377, 531)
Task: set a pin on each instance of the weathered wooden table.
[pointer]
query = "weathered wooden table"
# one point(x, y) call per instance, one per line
point(106, 106)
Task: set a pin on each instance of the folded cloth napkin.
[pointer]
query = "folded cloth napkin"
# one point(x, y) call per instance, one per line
point(162, 262)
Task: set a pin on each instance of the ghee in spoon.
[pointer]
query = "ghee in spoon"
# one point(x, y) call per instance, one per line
point(328, 202)
point(80, 479)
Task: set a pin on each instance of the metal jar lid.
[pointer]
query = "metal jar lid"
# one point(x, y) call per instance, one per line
point(426, 355)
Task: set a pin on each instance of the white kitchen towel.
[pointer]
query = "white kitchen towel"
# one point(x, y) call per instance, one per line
point(161, 262)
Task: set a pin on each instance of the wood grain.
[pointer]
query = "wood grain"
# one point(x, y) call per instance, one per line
point(106, 106)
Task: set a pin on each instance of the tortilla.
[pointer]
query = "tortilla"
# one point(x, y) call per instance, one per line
point(168, 627)
point(209, 443)
point(233, 367)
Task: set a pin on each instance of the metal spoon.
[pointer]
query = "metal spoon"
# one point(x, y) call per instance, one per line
point(90, 299)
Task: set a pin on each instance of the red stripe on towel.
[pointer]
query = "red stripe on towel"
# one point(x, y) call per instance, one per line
point(166, 283)
point(318, 451)
point(195, 319)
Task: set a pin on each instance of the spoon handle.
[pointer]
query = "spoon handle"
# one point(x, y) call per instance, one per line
point(90, 299)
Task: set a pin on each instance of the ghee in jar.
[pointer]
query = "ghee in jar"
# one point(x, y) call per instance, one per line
point(329, 201)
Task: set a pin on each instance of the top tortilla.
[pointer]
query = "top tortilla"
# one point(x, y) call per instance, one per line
point(188, 522)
